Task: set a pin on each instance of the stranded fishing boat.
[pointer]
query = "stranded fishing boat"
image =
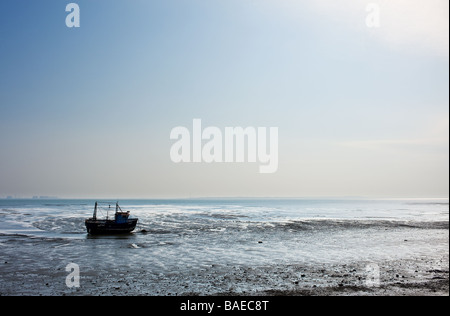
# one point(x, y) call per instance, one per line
point(121, 224)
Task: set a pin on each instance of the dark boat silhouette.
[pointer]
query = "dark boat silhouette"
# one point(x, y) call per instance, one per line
point(121, 224)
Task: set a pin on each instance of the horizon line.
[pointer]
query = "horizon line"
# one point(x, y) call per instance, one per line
point(225, 197)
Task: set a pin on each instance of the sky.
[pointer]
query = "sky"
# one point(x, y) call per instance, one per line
point(361, 111)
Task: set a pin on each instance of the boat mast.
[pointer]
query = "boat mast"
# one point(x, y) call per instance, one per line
point(95, 211)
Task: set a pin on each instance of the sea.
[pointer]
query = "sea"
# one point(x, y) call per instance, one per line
point(39, 238)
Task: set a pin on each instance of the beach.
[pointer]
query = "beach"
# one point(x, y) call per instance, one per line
point(419, 277)
point(229, 248)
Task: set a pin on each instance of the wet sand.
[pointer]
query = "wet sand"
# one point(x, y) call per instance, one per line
point(412, 277)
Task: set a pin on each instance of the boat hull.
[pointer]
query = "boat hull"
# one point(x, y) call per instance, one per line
point(99, 227)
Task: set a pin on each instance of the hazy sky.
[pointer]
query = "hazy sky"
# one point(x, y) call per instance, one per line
point(87, 112)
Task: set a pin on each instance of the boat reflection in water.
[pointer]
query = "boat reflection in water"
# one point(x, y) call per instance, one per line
point(121, 224)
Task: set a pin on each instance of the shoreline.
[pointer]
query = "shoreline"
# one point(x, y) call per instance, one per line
point(408, 277)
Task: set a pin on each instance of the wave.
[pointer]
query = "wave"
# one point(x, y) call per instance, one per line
point(312, 224)
point(68, 225)
point(307, 225)
point(220, 223)
point(7, 211)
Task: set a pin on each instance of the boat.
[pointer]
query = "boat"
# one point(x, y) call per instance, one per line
point(121, 224)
